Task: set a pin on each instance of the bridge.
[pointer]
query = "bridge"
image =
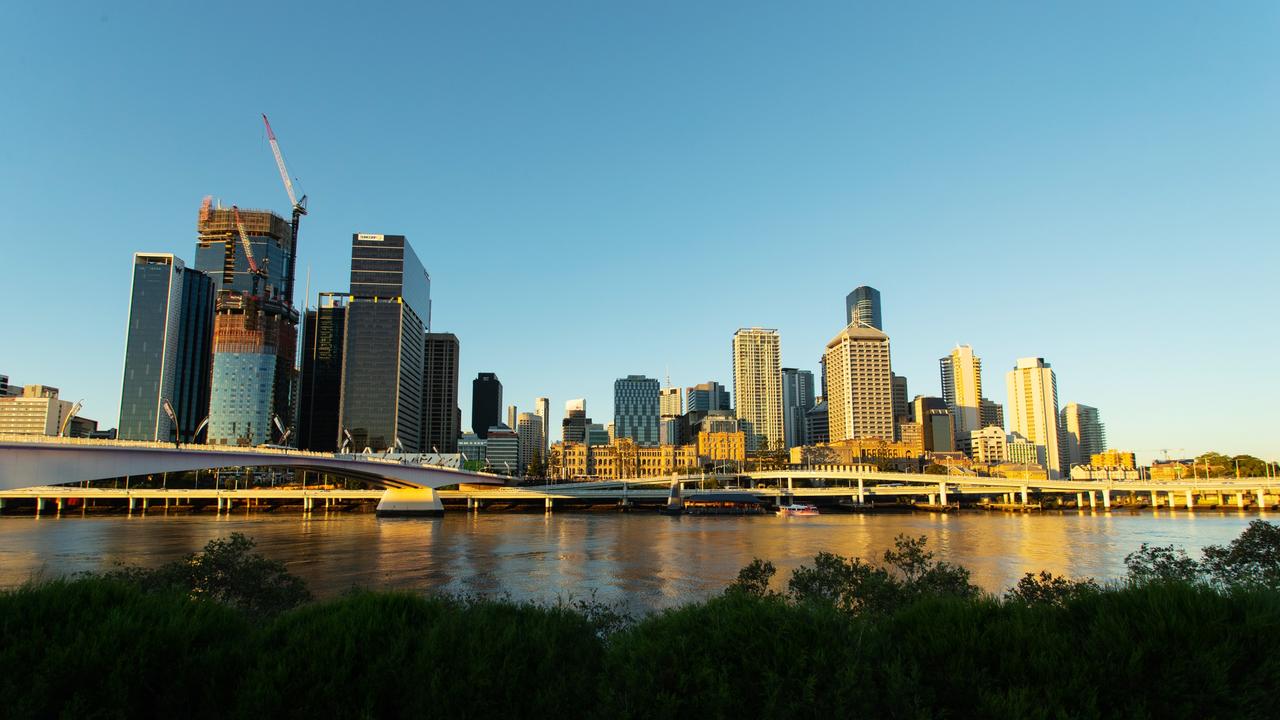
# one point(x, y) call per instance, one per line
point(28, 461)
point(30, 464)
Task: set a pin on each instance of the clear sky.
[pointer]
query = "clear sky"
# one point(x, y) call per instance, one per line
point(603, 188)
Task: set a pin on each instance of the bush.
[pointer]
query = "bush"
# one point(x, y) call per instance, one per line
point(1049, 589)
point(96, 647)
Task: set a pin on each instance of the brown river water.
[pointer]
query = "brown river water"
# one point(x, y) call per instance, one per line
point(640, 561)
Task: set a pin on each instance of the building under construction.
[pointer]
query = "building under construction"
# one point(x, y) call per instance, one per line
point(249, 254)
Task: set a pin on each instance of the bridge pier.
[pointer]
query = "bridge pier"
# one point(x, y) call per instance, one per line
point(1155, 500)
point(1024, 495)
point(862, 497)
point(39, 506)
point(1239, 500)
point(1190, 502)
point(1106, 499)
point(942, 492)
point(1080, 501)
point(1172, 500)
point(547, 505)
point(933, 499)
point(1262, 503)
point(1093, 501)
point(132, 503)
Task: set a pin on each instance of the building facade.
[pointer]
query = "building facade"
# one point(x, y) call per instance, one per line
point(542, 408)
point(1033, 410)
point(529, 429)
point(167, 349)
point(961, 372)
point(797, 400)
point(992, 413)
point(637, 409)
point(440, 389)
point(988, 445)
point(36, 410)
point(862, 307)
point(320, 391)
point(706, 397)
point(757, 383)
point(860, 394)
point(1083, 433)
point(502, 450)
point(486, 403)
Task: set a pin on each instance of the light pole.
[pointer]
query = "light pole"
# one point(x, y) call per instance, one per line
point(173, 416)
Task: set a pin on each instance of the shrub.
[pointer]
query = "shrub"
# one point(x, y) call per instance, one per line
point(1049, 589)
point(1251, 560)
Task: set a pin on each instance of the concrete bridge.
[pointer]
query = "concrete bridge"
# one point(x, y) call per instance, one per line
point(31, 460)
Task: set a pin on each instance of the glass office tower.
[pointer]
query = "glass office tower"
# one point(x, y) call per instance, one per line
point(320, 397)
point(636, 409)
point(486, 403)
point(166, 349)
point(440, 389)
point(863, 305)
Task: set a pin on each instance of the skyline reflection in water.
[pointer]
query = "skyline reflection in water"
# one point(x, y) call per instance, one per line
point(642, 561)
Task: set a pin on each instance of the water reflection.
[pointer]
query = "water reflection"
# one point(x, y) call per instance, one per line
point(643, 561)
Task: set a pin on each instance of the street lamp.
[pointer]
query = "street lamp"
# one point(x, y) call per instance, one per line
point(177, 431)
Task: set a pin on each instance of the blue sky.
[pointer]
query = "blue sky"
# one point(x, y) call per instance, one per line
point(602, 188)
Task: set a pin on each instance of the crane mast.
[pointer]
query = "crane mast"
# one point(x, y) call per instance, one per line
point(248, 248)
point(299, 207)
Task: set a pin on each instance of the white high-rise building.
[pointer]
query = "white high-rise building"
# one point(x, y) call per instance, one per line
point(962, 388)
point(529, 430)
point(1083, 433)
point(859, 389)
point(757, 384)
point(670, 402)
point(542, 408)
point(1032, 410)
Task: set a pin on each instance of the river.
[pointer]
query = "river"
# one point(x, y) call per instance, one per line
point(640, 561)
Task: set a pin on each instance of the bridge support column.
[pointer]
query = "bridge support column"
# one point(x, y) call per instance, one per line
point(39, 505)
point(132, 503)
point(942, 493)
point(1093, 501)
point(1239, 501)
point(1190, 502)
point(1155, 501)
point(1024, 495)
point(862, 496)
point(1079, 501)
point(1008, 498)
point(548, 504)
point(1106, 499)
point(1172, 500)
point(1262, 502)
point(58, 505)
point(933, 499)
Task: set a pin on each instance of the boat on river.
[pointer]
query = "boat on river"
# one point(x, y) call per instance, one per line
point(798, 510)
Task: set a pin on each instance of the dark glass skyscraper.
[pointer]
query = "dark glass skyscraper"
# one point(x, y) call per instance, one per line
point(440, 386)
point(636, 409)
point(320, 397)
point(383, 361)
point(706, 397)
point(863, 305)
point(486, 403)
point(166, 349)
point(797, 400)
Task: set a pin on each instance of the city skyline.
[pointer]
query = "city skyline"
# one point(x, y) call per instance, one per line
point(1101, 207)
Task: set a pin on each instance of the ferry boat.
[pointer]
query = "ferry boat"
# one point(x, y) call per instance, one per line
point(797, 511)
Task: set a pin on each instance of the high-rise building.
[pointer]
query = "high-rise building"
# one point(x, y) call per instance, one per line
point(860, 393)
point(706, 397)
point(637, 409)
point(1033, 410)
point(992, 413)
point(937, 425)
point(574, 427)
point(862, 306)
point(255, 327)
point(440, 387)
point(757, 383)
point(511, 416)
point(502, 450)
point(35, 411)
point(1083, 434)
point(167, 349)
point(817, 423)
point(962, 388)
point(797, 399)
point(542, 408)
point(388, 317)
point(472, 447)
point(486, 403)
point(670, 404)
point(320, 391)
point(529, 429)
point(901, 398)
point(988, 445)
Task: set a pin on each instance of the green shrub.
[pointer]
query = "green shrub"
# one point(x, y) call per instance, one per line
point(95, 647)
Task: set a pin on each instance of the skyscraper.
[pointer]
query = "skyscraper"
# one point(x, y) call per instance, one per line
point(860, 393)
point(167, 349)
point(636, 409)
point(255, 328)
point(542, 408)
point(757, 383)
point(962, 388)
point(440, 386)
point(706, 397)
point(529, 429)
point(863, 307)
point(670, 404)
point(901, 400)
point(574, 427)
point(1083, 434)
point(512, 416)
point(320, 393)
point(1033, 410)
point(384, 357)
point(937, 424)
point(797, 400)
point(486, 403)
point(992, 413)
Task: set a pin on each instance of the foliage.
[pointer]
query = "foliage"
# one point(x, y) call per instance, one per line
point(1161, 564)
point(754, 579)
point(227, 571)
point(1214, 464)
point(1046, 588)
point(1250, 561)
point(935, 469)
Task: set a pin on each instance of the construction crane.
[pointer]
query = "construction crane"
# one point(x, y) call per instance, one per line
point(299, 209)
point(248, 249)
